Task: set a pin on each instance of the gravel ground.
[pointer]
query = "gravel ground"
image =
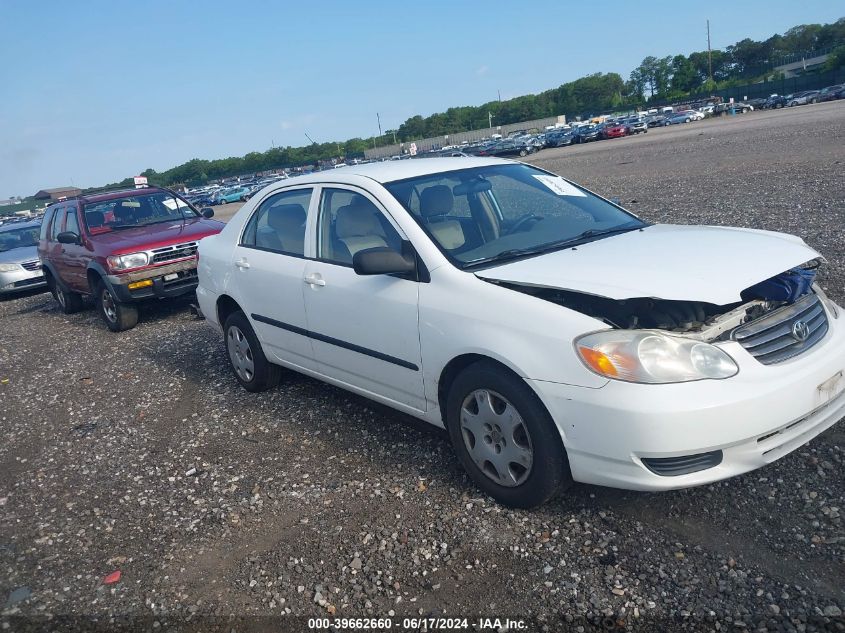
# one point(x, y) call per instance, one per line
point(139, 453)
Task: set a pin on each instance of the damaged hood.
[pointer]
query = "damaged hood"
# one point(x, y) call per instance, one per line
point(664, 261)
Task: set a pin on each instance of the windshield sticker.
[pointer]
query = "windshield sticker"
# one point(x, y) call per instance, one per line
point(559, 186)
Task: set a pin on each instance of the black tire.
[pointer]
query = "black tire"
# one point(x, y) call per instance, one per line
point(264, 375)
point(117, 316)
point(549, 469)
point(69, 302)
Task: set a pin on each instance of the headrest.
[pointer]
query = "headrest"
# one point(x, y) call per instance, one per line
point(286, 217)
point(95, 219)
point(436, 200)
point(357, 219)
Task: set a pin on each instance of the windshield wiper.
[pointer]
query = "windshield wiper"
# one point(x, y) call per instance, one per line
point(598, 232)
point(513, 253)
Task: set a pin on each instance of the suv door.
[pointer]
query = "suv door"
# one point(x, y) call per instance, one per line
point(75, 257)
point(53, 248)
point(268, 266)
point(364, 329)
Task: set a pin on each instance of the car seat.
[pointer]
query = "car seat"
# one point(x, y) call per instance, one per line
point(285, 230)
point(95, 219)
point(436, 203)
point(123, 214)
point(357, 228)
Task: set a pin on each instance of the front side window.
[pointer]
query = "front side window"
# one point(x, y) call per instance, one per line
point(349, 222)
point(278, 225)
point(72, 223)
point(137, 210)
point(514, 210)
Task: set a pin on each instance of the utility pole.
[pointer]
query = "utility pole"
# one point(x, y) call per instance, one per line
point(499, 92)
point(490, 120)
point(379, 123)
point(709, 54)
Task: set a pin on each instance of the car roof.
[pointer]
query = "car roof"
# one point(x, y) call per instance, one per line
point(113, 195)
point(390, 171)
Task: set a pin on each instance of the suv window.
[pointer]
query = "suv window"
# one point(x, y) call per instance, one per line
point(45, 223)
point(72, 223)
point(137, 210)
point(58, 220)
point(278, 225)
point(349, 222)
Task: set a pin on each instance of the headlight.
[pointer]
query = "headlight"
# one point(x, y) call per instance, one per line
point(124, 262)
point(827, 301)
point(652, 357)
point(8, 268)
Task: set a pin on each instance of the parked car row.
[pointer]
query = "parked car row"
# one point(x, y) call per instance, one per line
point(830, 93)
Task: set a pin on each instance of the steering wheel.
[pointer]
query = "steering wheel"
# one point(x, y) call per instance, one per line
point(525, 219)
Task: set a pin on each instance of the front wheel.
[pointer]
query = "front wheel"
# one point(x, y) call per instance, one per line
point(522, 152)
point(118, 316)
point(505, 438)
point(246, 358)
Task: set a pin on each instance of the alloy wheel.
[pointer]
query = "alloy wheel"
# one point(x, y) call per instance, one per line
point(109, 307)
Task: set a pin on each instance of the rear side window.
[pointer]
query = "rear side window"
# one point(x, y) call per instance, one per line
point(58, 220)
point(45, 223)
point(278, 225)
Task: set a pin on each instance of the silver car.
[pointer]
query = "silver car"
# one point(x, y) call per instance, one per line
point(20, 268)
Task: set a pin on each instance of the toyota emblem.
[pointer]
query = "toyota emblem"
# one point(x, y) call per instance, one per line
point(800, 331)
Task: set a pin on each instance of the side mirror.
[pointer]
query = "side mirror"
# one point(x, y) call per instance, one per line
point(207, 212)
point(382, 261)
point(67, 237)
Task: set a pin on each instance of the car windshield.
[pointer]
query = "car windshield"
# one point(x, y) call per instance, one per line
point(132, 211)
point(485, 214)
point(18, 238)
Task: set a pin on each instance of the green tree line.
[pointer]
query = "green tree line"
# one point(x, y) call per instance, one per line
point(655, 79)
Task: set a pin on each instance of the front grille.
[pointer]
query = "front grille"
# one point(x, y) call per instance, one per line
point(771, 340)
point(683, 465)
point(178, 251)
point(36, 265)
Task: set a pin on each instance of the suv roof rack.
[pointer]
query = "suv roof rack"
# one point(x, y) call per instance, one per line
point(105, 190)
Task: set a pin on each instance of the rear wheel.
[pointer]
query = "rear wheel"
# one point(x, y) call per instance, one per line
point(505, 438)
point(69, 302)
point(246, 358)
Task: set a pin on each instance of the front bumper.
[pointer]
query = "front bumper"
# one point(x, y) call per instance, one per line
point(20, 280)
point(753, 418)
point(169, 280)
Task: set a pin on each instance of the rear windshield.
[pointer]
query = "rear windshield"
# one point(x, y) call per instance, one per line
point(132, 211)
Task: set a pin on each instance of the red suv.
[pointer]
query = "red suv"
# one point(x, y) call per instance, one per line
point(122, 247)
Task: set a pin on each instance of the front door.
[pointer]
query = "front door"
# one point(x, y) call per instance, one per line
point(267, 271)
point(364, 329)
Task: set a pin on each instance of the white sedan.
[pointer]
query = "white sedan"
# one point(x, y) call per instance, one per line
point(555, 335)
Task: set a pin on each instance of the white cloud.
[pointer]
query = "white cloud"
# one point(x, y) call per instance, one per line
point(482, 70)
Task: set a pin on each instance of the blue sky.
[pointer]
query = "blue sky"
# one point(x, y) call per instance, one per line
point(96, 91)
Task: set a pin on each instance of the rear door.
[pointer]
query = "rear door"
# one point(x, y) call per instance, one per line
point(364, 329)
point(75, 257)
point(268, 265)
point(55, 250)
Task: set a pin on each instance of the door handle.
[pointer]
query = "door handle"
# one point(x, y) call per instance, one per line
point(242, 264)
point(314, 279)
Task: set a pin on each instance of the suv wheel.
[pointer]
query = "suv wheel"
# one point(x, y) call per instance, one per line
point(505, 438)
point(118, 316)
point(247, 359)
point(69, 302)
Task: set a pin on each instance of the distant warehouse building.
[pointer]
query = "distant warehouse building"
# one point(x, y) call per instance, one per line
point(57, 194)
